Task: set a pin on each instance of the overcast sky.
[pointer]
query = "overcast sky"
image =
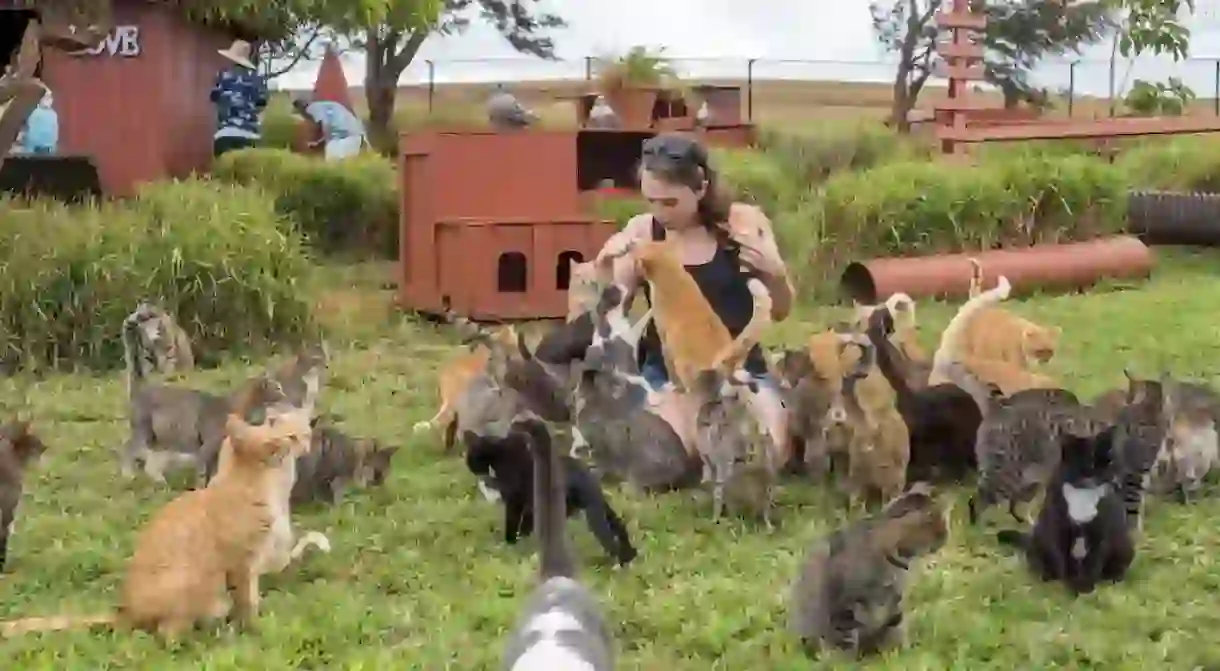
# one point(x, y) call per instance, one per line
point(813, 39)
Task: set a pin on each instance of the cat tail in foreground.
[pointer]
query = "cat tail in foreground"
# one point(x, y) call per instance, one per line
point(1013, 537)
point(550, 504)
point(950, 339)
point(735, 353)
point(30, 625)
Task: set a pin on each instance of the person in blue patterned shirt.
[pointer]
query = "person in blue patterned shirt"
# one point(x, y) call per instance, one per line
point(240, 96)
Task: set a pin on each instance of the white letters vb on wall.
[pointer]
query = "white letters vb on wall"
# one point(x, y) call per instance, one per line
point(122, 42)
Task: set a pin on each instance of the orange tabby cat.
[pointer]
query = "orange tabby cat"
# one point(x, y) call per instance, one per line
point(692, 336)
point(996, 334)
point(204, 542)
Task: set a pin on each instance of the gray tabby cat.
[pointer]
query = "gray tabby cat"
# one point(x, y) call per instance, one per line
point(159, 345)
point(1018, 445)
point(336, 461)
point(175, 426)
point(1140, 431)
point(849, 594)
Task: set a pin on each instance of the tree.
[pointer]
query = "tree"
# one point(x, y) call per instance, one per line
point(1147, 26)
point(391, 45)
point(1019, 33)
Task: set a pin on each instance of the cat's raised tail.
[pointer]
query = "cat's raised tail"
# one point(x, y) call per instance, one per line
point(950, 339)
point(29, 625)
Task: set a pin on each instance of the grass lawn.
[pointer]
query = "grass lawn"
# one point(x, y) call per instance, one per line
point(419, 577)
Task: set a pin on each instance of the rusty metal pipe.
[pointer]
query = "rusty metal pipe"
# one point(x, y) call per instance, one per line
point(1041, 267)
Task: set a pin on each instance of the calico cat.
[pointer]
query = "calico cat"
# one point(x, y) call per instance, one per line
point(205, 542)
point(336, 461)
point(506, 466)
point(849, 594)
point(943, 420)
point(617, 415)
point(1081, 536)
point(562, 626)
point(693, 337)
point(159, 345)
point(1192, 446)
point(1018, 445)
point(19, 449)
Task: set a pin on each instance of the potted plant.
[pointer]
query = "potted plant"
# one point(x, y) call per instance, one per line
point(630, 84)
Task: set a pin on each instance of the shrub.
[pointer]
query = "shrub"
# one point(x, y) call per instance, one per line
point(816, 152)
point(914, 208)
point(280, 125)
point(342, 206)
point(620, 210)
point(1190, 163)
point(216, 255)
point(759, 178)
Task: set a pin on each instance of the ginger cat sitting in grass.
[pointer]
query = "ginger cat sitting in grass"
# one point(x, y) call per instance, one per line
point(205, 542)
point(692, 335)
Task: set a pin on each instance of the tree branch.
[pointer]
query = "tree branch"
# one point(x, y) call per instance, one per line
point(301, 54)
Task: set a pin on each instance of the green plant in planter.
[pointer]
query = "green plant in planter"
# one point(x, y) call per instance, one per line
point(638, 68)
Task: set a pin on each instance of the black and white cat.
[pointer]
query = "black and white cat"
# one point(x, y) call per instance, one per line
point(1081, 536)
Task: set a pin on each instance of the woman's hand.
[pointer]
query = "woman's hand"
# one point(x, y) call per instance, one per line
point(616, 247)
point(760, 253)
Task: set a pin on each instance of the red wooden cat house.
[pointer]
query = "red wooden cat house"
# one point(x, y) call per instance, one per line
point(491, 221)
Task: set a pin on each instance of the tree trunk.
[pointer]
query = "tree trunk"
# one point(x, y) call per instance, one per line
point(385, 61)
point(900, 110)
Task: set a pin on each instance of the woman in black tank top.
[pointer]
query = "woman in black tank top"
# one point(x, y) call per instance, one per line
point(722, 245)
point(681, 188)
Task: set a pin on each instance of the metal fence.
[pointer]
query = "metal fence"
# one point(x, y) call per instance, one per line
point(1099, 80)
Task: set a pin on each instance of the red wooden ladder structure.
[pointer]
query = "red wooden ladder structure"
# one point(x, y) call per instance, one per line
point(963, 63)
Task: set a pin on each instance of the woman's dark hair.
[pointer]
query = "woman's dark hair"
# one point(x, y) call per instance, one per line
point(682, 161)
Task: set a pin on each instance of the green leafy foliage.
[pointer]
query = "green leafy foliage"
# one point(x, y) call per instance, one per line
point(1153, 26)
point(218, 256)
point(1170, 98)
point(343, 207)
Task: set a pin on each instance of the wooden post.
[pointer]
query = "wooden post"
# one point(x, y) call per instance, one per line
point(962, 63)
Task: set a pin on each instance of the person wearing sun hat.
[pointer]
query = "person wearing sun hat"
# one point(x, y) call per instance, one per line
point(240, 95)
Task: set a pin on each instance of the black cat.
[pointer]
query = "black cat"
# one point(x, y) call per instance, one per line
point(507, 466)
point(1081, 536)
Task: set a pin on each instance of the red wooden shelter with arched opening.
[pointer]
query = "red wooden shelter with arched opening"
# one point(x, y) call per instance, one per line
point(137, 103)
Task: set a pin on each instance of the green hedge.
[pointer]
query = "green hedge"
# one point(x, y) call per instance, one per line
point(348, 206)
point(1190, 163)
point(216, 255)
point(279, 124)
point(914, 208)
